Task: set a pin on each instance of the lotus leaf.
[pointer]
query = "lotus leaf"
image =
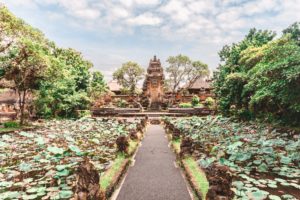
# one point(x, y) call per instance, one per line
point(25, 167)
point(55, 150)
point(65, 194)
point(274, 197)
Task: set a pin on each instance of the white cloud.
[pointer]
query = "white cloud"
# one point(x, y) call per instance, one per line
point(192, 23)
point(144, 19)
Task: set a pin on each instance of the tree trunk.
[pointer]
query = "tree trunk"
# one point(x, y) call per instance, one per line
point(23, 107)
point(22, 102)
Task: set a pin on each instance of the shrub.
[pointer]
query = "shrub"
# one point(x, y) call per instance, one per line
point(11, 125)
point(195, 100)
point(209, 102)
point(84, 113)
point(122, 103)
point(185, 105)
point(199, 105)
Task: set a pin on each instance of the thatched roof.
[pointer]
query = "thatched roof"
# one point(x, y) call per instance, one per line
point(114, 86)
point(200, 83)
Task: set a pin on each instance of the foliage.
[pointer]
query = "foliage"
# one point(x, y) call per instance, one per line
point(98, 86)
point(43, 162)
point(185, 105)
point(66, 87)
point(59, 80)
point(294, 31)
point(262, 159)
point(209, 102)
point(11, 124)
point(129, 75)
point(121, 103)
point(258, 77)
point(195, 100)
point(182, 70)
point(24, 66)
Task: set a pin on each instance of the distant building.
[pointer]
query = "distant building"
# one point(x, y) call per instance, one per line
point(8, 104)
point(200, 86)
point(114, 87)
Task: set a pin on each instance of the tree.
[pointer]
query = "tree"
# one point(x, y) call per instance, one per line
point(98, 85)
point(183, 70)
point(259, 77)
point(66, 86)
point(178, 68)
point(294, 31)
point(13, 28)
point(195, 71)
point(129, 75)
point(230, 78)
point(24, 66)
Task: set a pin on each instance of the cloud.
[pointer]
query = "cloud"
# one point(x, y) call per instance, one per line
point(187, 25)
point(144, 19)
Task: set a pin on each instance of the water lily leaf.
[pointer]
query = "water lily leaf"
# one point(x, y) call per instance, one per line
point(62, 173)
point(55, 150)
point(3, 144)
point(257, 195)
point(75, 149)
point(28, 197)
point(262, 168)
point(25, 167)
point(40, 140)
point(274, 197)
point(25, 134)
point(6, 183)
point(11, 195)
point(285, 160)
point(61, 167)
point(65, 194)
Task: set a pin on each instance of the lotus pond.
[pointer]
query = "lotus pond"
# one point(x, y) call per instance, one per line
point(40, 164)
point(265, 162)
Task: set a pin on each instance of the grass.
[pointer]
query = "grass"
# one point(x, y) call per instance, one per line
point(107, 178)
point(176, 145)
point(2, 129)
point(133, 144)
point(197, 175)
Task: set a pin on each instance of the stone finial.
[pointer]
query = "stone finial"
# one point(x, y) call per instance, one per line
point(154, 58)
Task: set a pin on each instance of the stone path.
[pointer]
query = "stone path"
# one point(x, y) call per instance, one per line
point(154, 175)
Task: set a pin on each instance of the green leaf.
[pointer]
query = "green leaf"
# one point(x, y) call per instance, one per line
point(25, 167)
point(262, 168)
point(55, 150)
point(65, 194)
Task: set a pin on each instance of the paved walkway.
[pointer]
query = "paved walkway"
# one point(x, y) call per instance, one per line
point(154, 175)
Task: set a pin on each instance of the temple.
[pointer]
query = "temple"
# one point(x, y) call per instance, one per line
point(153, 87)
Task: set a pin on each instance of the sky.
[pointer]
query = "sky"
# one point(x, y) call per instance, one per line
point(112, 32)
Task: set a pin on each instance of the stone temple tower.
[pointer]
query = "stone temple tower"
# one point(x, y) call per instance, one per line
point(153, 85)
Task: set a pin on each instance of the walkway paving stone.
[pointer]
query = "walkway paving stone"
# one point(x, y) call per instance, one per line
point(154, 175)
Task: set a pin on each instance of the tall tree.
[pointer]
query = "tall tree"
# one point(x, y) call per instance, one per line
point(129, 75)
point(294, 31)
point(24, 66)
point(182, 70)
point(177, 70)
point(196, 70)
point(98, 85)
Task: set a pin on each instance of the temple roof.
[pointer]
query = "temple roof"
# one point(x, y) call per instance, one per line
point(199, 83)
point(113, 85)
